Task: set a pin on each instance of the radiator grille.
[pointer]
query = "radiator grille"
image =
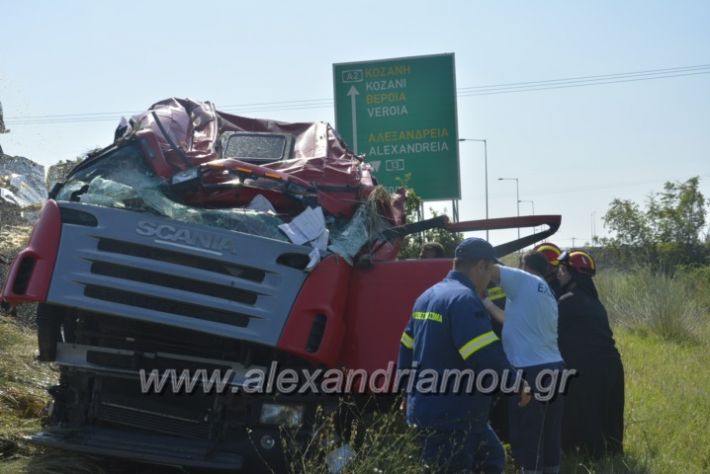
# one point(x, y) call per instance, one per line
point(244, 291)
point(173, 281)
point(169, 256)
point(163, 305)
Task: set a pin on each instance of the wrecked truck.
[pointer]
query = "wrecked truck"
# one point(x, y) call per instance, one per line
point(204, 240)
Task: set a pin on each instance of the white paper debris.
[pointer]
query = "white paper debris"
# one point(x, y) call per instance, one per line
point(314, 258)
point(339, 458)
point(305, 227)
point(308, 228)
point(261, 204)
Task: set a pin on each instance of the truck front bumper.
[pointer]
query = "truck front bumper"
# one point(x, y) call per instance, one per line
point(149, 448)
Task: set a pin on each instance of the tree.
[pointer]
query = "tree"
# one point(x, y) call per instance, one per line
point(412, 243)
point(667, 233)
point(678, 213)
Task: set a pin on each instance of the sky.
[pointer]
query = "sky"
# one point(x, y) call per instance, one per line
point(573, 149)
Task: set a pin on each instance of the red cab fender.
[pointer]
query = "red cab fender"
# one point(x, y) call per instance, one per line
point(31, 270)
point(316, 325)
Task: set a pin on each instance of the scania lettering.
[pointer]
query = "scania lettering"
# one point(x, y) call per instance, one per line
point(186, 236)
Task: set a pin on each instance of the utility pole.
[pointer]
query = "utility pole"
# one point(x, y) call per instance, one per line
point(485, 167)
point(532, 202)
point(517, 196)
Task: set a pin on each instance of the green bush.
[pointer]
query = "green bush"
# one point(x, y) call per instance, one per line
point(379, 442)
point(697, 278)
point(668, 306)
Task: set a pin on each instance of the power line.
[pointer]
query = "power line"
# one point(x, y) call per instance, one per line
point(646, 72)
point(303, 104)
point(563, 86)
point(285, 103)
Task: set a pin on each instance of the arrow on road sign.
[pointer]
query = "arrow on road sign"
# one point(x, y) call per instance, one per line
point(353, 93)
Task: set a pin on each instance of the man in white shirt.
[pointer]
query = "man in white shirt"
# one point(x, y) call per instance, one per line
point(530, 342)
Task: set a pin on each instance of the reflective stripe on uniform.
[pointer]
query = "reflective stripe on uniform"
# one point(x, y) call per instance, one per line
point(477, 343)
point(407, 340)
point(496, 293)
point(427, 316)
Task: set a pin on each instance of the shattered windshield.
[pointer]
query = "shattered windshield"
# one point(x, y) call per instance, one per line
point(122, 180)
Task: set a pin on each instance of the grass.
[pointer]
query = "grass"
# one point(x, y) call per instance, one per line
point(667, 407)
point(667, 393)
point(384, 444)
point(668, 306)
point(22, 391)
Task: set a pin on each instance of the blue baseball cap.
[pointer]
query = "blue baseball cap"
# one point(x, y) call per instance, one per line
point(474, 248)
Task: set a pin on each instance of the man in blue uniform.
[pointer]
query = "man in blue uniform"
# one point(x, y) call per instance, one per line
point(449, 329)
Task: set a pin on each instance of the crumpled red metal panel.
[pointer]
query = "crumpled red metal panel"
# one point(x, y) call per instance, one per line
point(188, 134)
point(319, 154)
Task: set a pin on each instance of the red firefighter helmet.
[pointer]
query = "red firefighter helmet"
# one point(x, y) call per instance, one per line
point(580, 261)
point(551, 252)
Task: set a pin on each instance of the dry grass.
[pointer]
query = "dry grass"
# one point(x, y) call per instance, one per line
point(12, 240)
point(655, 303)
point(379, 443)
point(23, 383)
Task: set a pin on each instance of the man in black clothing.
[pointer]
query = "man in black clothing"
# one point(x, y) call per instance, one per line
point(593, 421)
point(551, 252)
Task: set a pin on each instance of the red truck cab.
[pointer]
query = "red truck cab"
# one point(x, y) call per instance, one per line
point(148, 259)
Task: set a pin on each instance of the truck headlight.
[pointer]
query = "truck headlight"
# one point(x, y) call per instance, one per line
point(276, 414)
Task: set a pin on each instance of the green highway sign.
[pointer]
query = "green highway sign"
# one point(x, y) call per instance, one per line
point(401, 114)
